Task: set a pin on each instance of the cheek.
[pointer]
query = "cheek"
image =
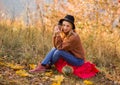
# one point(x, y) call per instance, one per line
point(65, 29)
point(68, 29)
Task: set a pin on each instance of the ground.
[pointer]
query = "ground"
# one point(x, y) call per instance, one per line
point(14, 74)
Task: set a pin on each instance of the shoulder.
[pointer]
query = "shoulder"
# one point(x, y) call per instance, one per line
point(74, 36)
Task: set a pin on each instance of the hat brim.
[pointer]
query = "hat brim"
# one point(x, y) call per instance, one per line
point(65, 19)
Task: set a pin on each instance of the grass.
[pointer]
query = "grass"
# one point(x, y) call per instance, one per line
point(25, 45)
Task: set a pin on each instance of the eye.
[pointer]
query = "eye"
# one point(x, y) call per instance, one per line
point(68, 26)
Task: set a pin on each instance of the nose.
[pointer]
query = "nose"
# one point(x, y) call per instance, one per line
point(65, 27)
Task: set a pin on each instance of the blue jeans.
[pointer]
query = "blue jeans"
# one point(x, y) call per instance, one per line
point(54, 55)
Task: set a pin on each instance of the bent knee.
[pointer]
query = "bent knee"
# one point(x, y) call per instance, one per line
point(58, 52)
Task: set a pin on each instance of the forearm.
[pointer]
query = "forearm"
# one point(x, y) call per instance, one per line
point(57, 41)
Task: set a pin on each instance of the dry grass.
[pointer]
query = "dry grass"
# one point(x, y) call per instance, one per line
point(24, 44)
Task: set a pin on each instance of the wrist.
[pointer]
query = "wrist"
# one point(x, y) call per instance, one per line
point(57, 34)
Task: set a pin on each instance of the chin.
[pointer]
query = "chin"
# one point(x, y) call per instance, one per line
point(65, 31)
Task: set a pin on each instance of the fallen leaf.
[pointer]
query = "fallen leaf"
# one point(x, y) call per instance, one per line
point(32, 66)
point(108, 76)
point(58, 80)
point(56, 83)
point(23, 73)
point(86, 82)
point(49, 73)
point(14, 66)
point(2, 63)
point(45, 78)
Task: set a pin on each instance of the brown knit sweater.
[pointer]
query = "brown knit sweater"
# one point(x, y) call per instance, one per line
point(71, 44)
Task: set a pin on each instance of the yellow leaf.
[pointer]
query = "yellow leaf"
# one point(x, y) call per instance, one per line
point(86, 82)
point(56, 83)
point(44, 79)
point(23, 73)
point(32, 66)
point(48, 73)
point(13, 66)
point(2, 63)
point(58, 80)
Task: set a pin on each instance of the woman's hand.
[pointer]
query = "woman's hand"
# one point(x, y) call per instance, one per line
point(57, 30)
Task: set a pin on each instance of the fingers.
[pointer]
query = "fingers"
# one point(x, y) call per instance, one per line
point(57, 29)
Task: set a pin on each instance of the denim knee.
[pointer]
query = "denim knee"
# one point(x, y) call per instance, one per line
point(56, 56)
point(54, 48)
point(57, 52)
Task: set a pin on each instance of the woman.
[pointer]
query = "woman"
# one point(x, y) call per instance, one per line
point(67, 45)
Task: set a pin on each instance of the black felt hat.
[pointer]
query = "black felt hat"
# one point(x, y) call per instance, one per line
point(68, 18)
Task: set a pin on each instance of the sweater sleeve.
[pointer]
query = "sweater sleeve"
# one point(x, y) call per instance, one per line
point(57, 41)
point(66, 44)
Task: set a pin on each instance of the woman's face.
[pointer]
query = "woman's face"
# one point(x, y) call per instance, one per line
point(66, 26)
